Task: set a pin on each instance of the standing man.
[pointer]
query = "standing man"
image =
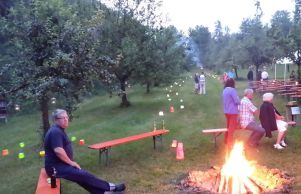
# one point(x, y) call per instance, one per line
point(196, 83)
point(250, 77)
point(247, 120)
point(59, 156)
point(202, 83)
point(264, 75)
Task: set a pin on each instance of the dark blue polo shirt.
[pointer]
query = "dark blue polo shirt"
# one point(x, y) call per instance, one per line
point(56, 137)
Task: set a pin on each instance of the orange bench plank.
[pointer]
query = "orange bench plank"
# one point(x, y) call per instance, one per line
point(44, 187)
point(128, 139)
point(215, 130)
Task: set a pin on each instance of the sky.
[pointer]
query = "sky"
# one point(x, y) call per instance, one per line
point(185, 14)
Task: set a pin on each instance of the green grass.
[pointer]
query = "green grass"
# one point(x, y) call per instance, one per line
point(142, 169)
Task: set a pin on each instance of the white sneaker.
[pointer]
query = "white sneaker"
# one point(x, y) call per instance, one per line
point(283, 144)
point(278, 146)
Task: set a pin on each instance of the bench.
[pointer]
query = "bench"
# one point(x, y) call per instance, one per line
point(105, 146)
point(43, 187)
point(215, 133)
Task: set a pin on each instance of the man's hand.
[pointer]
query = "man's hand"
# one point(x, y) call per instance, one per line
point(74, 164)
point(60, 152)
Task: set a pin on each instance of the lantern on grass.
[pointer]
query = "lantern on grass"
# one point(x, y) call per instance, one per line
point(169, 99)
point(180, 151)
point(181, 100)
point(22, 144)
point(161, 114)
point(73, 138)
point(180, 85)
point(17, 107)
point(174, 143)
point(81, 142)
point(53, 100)
point(177, 93)
point(167, 95)
point(5, 152)
point(21, 155)
point(42, 153)
point(171, 109)
point(182, 107)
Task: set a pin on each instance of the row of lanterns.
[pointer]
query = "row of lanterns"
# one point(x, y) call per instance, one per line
point(21, 154)
point(52, 101)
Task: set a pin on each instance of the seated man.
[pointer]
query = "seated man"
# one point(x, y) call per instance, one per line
point(247, 120)
point(59, 157)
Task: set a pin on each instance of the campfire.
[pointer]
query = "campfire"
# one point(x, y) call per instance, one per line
point(238, 176)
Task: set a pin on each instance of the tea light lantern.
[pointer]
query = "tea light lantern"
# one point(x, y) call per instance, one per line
point(42, 153)
point(5, 152)
point(161, 113)
point(174, 143)
point(22, 144)
point(171, 109)
point(17, 107)
point(21, 155)
point(182, 106)
point(53, 100)
point(81, 142)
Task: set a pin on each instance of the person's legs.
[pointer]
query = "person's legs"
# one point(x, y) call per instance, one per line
point(257, 133)
point(84, 178)
point(282, 128)
point(231, 126)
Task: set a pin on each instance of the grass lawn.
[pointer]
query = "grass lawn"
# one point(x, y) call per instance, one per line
point(142, 169)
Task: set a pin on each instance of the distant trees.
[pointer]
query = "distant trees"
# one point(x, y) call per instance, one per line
point(255, 44)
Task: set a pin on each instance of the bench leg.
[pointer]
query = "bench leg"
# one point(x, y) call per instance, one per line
point(215, 137)
point(106, 151)
point(157, 138)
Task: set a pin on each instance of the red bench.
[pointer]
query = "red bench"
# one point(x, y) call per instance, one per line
point(215, 133)
point(43, 187)
point(105, 146)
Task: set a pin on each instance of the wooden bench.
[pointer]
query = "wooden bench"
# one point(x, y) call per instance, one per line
point(215, 133)
point(43, 187)
point(105, 146)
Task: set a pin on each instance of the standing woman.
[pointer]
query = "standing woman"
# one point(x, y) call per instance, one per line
point(230, 102)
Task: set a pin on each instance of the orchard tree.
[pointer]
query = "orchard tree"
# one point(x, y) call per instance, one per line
point(51, 53)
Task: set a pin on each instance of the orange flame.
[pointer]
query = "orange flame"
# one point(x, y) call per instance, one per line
point(237, 169)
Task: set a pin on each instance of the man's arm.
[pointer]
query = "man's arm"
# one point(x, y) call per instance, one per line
point(61, 154)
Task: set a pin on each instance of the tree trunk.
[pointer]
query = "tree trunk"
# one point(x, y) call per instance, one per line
point(299, 73)
point(45, 115)
point(124, 100)
point(148, 87)
point(236, 74)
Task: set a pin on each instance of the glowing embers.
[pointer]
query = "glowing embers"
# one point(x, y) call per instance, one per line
point(238, 176)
